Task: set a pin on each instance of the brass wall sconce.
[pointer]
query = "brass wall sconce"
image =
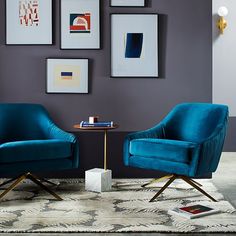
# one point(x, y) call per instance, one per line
point(222, 23)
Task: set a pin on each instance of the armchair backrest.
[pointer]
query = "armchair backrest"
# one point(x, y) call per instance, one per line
point(22, 122)
point(194, 122)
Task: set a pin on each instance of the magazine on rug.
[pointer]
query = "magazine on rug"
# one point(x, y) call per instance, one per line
point(194, 211)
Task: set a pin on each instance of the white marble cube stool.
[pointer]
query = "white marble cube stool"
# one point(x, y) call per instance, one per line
point(98, 180)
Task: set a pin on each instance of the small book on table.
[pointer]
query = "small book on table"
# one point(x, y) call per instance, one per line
point(96, 124)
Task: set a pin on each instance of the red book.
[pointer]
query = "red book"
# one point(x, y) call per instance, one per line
point(193, 211)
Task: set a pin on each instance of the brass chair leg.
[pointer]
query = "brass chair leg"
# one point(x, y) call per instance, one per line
point(13, 185)
point(157, 180)
point(32, 178)
point(164, 187)
point(47, 181)
point(195, 182)
point(9, 181)
point(36, 181)
point(189, 181)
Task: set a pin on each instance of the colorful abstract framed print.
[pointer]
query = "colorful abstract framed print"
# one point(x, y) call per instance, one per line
point(28, 22)
point(67, 75)
point(80, 24)
point(127, 3)
point(134, 45)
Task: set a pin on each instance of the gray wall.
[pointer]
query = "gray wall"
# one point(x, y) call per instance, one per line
point(224, 53)
point(135, 104)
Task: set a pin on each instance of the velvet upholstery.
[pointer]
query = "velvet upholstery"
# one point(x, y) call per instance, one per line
point(35, 149)
point(169, 150)
point(30, 141)
point(188, 141)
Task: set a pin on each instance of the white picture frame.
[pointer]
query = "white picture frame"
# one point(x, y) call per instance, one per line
point(80, 24)
point(127, 3)
point(28, 22)
point(67, 75)
point(134, 46)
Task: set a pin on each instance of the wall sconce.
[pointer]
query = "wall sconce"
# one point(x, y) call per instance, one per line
point(222, 23)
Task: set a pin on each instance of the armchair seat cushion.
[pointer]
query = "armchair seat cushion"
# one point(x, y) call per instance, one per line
point(163, 149)
point(34, 150)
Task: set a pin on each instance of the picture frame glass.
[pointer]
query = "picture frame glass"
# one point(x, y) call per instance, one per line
point(28, 22)
point(127, 3)
point(80, 24)
point(67, 75)
point(134, 46)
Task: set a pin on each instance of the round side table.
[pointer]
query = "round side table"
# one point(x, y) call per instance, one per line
point(98, 180)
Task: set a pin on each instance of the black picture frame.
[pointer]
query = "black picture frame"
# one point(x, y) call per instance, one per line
point(145, 4)
point(84, 48)
point(29, 44)
point(134, 77)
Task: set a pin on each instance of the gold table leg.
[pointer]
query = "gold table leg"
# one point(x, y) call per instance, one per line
point(105, 149)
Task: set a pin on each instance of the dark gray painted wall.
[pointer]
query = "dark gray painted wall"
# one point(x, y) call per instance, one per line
point(185, 69)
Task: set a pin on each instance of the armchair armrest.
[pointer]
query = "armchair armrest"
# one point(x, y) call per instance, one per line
point(56, 133)
point(214, 134)
point(208, 156)
point(51, 131)
point(155, 132)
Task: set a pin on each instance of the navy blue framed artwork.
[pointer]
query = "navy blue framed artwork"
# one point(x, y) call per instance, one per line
point(134, 46)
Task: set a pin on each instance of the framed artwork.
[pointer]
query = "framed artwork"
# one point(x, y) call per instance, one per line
point(127, 3)
point(67, 75)
point(28, 22)
point(134, 46)
point(80, 24)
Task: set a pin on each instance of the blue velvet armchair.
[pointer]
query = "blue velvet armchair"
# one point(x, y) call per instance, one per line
point(31, 142)
point(187, 144)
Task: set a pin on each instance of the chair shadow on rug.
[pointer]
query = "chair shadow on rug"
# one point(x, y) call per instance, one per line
point(122, 187)
point(31, 142)
point(187, 143)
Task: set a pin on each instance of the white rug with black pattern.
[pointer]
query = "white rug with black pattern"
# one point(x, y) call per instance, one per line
point(124, 209)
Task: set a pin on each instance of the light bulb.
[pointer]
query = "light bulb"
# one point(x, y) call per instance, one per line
point(223, 11)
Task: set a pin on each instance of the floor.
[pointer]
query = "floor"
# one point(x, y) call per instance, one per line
point(224, 179)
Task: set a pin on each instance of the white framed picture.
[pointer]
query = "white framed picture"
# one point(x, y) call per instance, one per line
point(80, 24)
point(67, 75)
point(134, 45)
point(28, 22)
point(127, 3)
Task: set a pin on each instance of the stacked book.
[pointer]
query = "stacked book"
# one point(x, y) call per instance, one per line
point(96, 124)
point(194, 211)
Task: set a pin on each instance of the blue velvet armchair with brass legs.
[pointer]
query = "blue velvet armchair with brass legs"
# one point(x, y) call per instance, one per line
point(31, 142)
point(187, 144)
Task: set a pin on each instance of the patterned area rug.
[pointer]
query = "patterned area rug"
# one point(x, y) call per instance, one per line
point(124, 209)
